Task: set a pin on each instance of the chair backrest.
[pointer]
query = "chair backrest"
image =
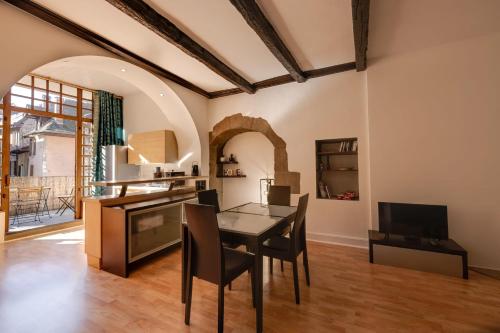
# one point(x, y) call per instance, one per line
point(45, 193)
point(29, 194)
point(297, 235)
point(279, 195)
point(209, 197)
point(205, 258)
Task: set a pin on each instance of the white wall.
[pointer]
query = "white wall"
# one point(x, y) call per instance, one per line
point(255, 156)
point(434, 115)
point(324, 108)
point(141, 114)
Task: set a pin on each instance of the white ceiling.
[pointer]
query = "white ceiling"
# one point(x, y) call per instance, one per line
point(317, 32)
point(74, 72)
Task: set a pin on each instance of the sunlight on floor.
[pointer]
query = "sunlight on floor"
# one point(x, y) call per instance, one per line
point(66, 238)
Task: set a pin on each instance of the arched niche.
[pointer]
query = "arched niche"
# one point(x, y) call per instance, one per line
point(236, 124)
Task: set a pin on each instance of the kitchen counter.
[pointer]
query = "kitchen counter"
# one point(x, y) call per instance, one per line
point(92, 211)
point(125, 183)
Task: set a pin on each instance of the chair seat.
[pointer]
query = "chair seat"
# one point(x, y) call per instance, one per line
point(279, 243)
point(236, 262)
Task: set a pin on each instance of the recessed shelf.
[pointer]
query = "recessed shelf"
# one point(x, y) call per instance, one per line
point(337, 178)
point(324, 153)
point(348, 200)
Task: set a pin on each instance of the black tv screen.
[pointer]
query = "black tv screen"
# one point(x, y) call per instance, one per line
point(413, 220)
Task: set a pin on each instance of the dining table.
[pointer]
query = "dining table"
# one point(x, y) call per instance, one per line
point(251, 224)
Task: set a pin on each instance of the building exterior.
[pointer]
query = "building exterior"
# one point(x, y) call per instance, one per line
point(42, 147)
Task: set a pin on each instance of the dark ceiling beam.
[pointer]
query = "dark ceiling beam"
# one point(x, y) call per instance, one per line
point(77, 30)
point(283, 79)
point(147, 16)
point(258, 22)
point(360, 18)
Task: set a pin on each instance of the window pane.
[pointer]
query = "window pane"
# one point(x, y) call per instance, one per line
point(87, 114)
point(54, 107)
point(20, 90)
point(40, 83)
point(86, 150)
point(20, 102)
point(69, 110)
point(69, 100)
point(54, 86)
point(87, 129)
point(87, 140)
point(87, 94)
point(86, 104)
point(54, 97)
point(40, 94)
point(69, 90)
point(40, 106)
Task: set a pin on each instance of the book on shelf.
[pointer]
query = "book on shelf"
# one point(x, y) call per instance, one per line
point(348, 146)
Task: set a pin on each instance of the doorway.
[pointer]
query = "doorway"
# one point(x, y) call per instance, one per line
point(46, 153)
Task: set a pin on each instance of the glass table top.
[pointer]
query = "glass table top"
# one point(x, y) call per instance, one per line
point(252, 218)
point(269, 210)
point(249, 224)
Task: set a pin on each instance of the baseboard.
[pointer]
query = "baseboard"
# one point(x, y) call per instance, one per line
point(493, 273)
point(358, 242)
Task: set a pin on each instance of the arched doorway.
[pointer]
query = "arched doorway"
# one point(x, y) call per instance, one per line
point(236, 124)
point(160, 93)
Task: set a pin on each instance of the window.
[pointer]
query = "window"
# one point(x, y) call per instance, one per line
point(31, 170)
point(44, 95)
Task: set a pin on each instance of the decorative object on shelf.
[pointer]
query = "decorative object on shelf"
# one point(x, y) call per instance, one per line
point(348, 195)
point(264, 184)
point(222, 159)
point(229, 172)
point(323, 190)
point(195, 170)
point(238, 172)
point(158, 173)
point(232, 159)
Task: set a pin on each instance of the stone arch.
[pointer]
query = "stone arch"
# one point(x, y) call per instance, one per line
point(236, 124)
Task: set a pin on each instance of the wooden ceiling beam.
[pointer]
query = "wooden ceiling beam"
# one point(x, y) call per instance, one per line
point(284, 79)
point(256, 19)
point(147, 16)
point(360, 19)
point(85, 34)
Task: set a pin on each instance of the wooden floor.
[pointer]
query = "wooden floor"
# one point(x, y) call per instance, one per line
point(45, 286)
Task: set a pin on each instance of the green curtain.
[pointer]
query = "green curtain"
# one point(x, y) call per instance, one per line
point(108, 130)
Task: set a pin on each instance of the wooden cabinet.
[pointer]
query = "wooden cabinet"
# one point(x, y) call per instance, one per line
point(152, 147)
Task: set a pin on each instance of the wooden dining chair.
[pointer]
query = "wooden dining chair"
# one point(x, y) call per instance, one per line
point(208, 260)
point(289, 248)
point(211, 198)
point(279, 195)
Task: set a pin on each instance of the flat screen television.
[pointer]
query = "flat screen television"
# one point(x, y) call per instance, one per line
point(413, 220)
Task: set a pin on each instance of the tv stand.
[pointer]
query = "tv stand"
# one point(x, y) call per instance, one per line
point(445, 246)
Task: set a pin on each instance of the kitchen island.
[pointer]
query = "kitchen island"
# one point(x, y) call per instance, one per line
point(93, 207)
